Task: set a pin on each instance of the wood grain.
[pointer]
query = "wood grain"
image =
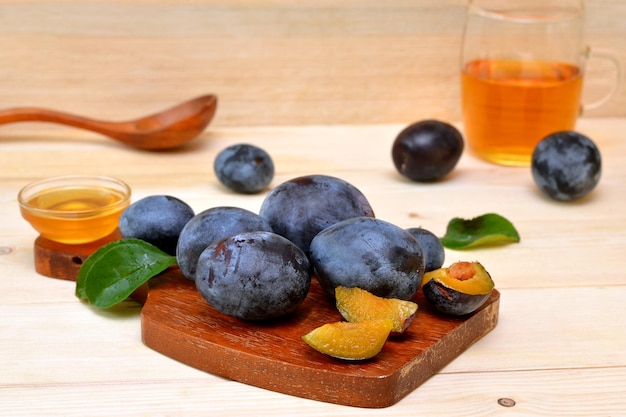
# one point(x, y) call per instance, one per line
point(177, 322)
point(271, 62)
point(58, 260)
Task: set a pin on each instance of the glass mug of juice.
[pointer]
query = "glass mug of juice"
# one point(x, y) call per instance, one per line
point(522, 71)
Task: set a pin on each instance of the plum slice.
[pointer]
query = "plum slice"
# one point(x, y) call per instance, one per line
point(357, 305)
point(350, 341)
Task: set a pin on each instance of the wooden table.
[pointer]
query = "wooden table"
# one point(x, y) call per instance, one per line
point(559, 348)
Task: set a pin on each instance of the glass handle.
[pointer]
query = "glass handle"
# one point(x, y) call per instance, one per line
point(617, 82)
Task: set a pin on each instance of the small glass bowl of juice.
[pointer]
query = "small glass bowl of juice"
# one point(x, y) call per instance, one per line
point(74, 209)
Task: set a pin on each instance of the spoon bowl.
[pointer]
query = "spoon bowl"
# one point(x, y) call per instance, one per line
point(167, 129)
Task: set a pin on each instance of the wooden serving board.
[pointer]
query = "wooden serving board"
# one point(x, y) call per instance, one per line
point(177, 322)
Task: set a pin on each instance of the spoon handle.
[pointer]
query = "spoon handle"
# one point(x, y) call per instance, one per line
point(35, 114)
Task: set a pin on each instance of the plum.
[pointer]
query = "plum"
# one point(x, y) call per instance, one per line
point(244, 168)
point(156, 219)
point(210, 226)
point(427, 150)
point(566, 165)
point(459, 289)
point(434, 252)
point(370, 254)
point(300, 208)
point(253, 276)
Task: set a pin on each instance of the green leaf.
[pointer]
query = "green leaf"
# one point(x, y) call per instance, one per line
point(488, 229)
point(115, 270)
point(85, 269)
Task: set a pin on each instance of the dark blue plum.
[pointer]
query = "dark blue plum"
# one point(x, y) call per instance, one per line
point(254, 276)
point(427, 150)
point(368, 253)
point(244, 168)
point(300, 208)
point(210, 226)
point(434, 252)
point(156, 219)
point(566, 165)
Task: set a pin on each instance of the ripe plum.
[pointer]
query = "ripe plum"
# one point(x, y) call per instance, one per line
point(156, 219)
point(254, 276)
point(370, 254)
point(300, 208)
point(566, 165)
point(434, 252)
point(210, 226)
point(427, 150)
point(244, 168)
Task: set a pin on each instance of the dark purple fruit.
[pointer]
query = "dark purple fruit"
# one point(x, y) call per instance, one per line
point(427, 150)
point(566, 165)
point(156, 219)
point(434, 252)
point(244, 168)
point(210, 226)
point(254, 276)
point(370, 254)
point(300, 208)
point(459, 289)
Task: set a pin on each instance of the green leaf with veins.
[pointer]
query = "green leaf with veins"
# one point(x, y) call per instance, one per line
point(115, 270)
point(488, 229)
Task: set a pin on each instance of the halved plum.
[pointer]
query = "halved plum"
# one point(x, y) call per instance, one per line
point(458, 289)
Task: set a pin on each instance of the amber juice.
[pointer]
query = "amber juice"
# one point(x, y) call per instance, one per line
point(75, 214)
point(510, 105)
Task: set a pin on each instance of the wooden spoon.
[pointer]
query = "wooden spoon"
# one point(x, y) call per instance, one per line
point(167, 129)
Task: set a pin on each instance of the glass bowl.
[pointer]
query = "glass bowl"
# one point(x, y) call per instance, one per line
point(74, 209)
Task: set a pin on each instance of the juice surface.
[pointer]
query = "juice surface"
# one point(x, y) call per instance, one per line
point(510, 105)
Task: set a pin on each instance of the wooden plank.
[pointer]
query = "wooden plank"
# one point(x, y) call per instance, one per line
point(272, 62)
point(549, 393)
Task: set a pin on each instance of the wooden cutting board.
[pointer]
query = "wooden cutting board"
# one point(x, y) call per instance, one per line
point(177, 322)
